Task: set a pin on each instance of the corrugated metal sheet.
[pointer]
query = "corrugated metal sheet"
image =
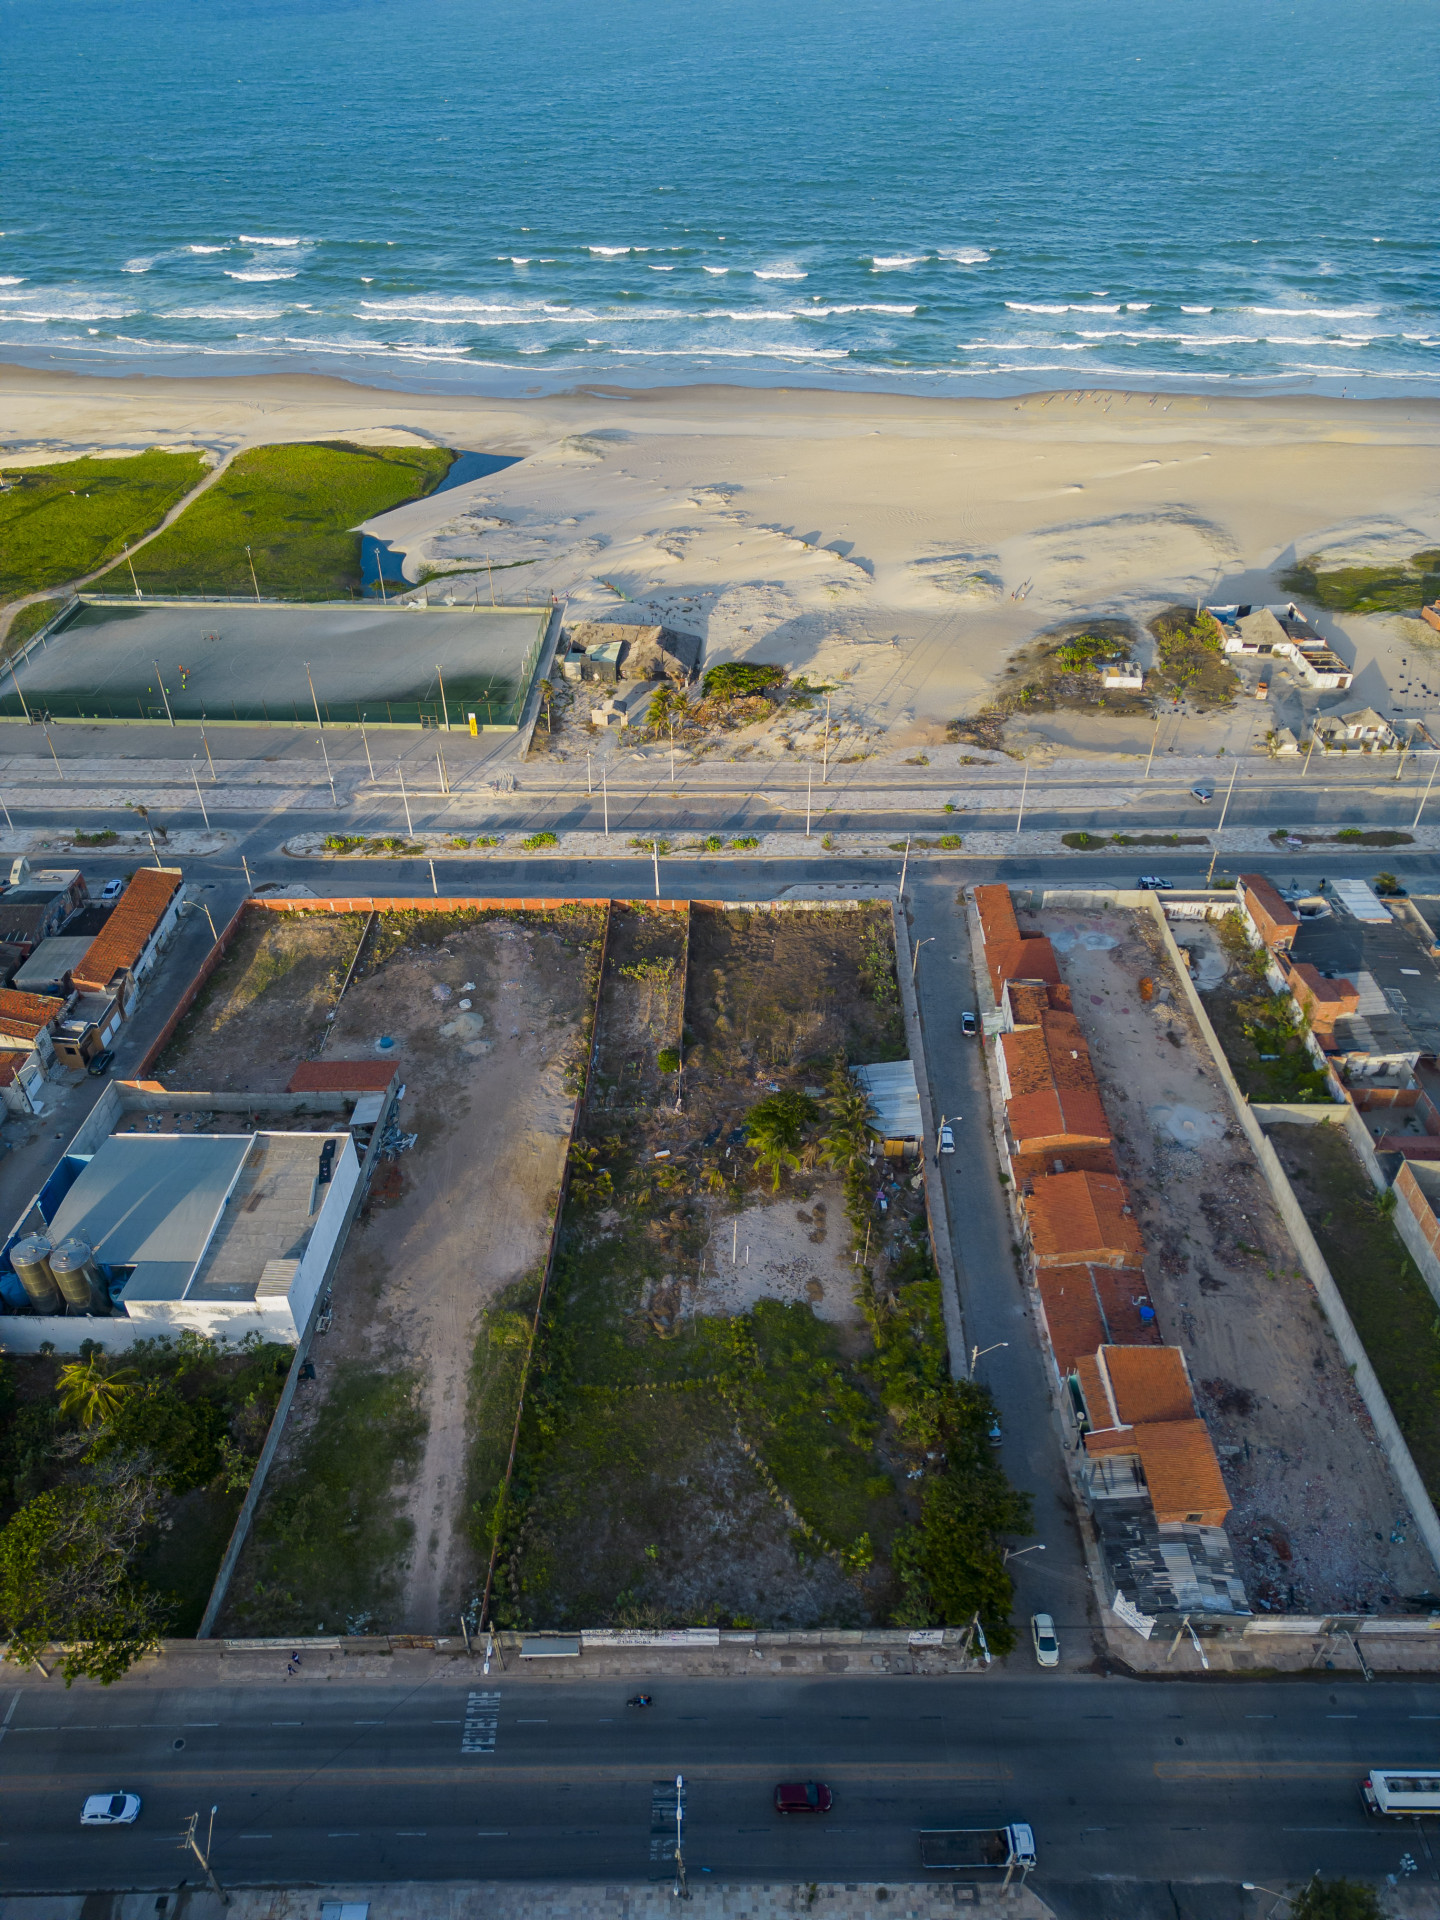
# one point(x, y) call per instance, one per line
point(894, 1096)
point(1361, 900)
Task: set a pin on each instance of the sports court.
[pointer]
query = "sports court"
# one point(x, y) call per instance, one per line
point(247, 663)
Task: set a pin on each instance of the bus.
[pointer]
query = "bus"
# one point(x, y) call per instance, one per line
point(1401, 1792)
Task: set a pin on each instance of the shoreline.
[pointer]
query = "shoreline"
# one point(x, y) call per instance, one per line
point(898, 548)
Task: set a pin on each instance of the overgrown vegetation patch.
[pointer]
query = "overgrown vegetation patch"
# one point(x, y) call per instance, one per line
point(1392, 1308)
point(1190, 660)
point(58, 523)
point(293, 508)
point(1263, 1033)
point(1401, 587)
point(122, 1482)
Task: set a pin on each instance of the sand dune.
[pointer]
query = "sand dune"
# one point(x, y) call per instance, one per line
point(904, 545)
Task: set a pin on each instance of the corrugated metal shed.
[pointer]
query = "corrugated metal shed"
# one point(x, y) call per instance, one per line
point(895, 1097)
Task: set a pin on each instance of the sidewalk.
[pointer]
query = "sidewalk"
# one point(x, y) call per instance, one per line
point(509, 1900)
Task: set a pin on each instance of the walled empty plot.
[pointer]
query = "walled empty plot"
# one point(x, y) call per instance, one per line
point(1318, 1521)
point(199, 660)
point(367, 1513)
point(704, 1443)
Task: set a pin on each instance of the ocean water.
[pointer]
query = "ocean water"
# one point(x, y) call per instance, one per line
point(936, 196)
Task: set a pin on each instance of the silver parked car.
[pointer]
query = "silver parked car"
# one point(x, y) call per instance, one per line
point(110, 1810)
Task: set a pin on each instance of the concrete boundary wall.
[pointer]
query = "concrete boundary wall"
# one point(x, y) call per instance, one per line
point(942, 1247)
point(1351, 1346)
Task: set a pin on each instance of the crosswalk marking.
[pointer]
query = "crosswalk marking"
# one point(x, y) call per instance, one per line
point(482, 1718)
point(662, 1819)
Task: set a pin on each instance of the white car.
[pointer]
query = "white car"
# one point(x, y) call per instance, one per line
point(947, 1139)
point(1047, 1647)
point(110, 1810)
point(112, 889)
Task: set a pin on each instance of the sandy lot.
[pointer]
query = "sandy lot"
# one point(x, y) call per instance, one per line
point(463, 1214)
point(781, 1250)
point(901, 548)
point(1315, 1502)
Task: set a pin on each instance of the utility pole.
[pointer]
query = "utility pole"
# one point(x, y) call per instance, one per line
point(131, 564)
point(8, 821)
point(1426, 795)
point(365, 742)
point(328, 774)
point(491, 572)
point(206, 744)
point(444, 707)
point(249, 883)
point(313, 701)
point(1024, 789)
point(16, 678)
point(915, 955)
point(1153, 738)
point(444, 776)
point(904, 867)
point(409, 823)
point(590, 775)
point(199, 796)
point(809, 780)
point(53, 754)
point(160, 681)
point(605, 800)
point(253, 581)
point(825, 765)
point(434, 884)
point(188, 1840)
point(1308, 751)
point(1234, 771)
point(655, 856)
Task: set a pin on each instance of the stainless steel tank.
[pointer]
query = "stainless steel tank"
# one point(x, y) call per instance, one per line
point(78, 1277)
point(30, 1258)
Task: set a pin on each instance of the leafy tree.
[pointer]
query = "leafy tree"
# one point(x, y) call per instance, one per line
point(851, 1135)
point(667, 710)
point(90, 1389)
point(64, 1575)
point(738, 679)
point(776, 1127)
point(1337, 1900)
point(183, 1435)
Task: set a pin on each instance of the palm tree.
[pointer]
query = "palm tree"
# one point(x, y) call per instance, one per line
point(88, 1388)
point(775, 1129)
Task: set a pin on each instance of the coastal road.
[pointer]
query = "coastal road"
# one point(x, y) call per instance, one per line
point(1150, 1782)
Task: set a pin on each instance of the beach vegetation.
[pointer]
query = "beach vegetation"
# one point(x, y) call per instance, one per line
point(59, 523)
point(533, 842)
point(739, 680)
point(297, 509)
point(1401, 587)
point(1190, 660)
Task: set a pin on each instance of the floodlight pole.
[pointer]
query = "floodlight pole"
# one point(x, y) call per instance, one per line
point(655, 856)
point(16, 678)
point(313, 701)
point(53, 755)
point(8, 821)
point(825, 763)
point(1308, 751)
point(444, 709)
point(208, 755)
point(1024, 789)
point(160, 679)
point(328, 774)
point(364, 741)
point(409, 823)
point(131, 564)
point(199, 796)
point(1153, 739)
point(809, 782)
point(1234, 771)
point(249, 883)
point(605, 799)
point(904, 867)
point(253, 581)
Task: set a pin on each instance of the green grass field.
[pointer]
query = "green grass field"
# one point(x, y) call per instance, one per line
point(1402, 588)
point(59, 523)
point(294, 507)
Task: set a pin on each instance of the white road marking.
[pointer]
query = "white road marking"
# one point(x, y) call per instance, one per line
point(482, 1720)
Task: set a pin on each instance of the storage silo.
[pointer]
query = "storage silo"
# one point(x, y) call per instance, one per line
point(30, 1258)
point(78, 1278)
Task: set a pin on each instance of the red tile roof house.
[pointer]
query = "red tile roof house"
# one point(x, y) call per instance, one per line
point(1325, 1001)
point(1082, 1218)
point(1052, 1098)
point(26, 1023)
point(1274, 921)
point(130, 942)
point(1010, 954)
point(1141, 1415)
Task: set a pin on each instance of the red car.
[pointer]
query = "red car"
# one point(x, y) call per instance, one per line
point(803, 1796)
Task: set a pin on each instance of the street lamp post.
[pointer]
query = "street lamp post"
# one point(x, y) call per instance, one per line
point(979, 1353)
point(1014, 1553)
point(189, 1840)
point(915, 955)
point(681, 1890)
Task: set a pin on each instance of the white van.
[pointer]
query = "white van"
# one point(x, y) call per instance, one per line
point(1401, 1792)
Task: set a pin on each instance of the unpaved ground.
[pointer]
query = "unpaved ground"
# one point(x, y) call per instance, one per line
point(781, 1250)
point(1315, 1502)
point(641, 1010)
point(466, 1212)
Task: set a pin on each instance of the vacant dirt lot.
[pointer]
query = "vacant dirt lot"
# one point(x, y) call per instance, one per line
point(450, 1224)
point(1315, 1502)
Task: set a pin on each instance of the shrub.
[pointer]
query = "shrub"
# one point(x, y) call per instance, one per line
point(949, 841)
point(1083, 842)
point(535, 840)
point(738, 679)
point(668, 1060)
point(106, 837)
point(745, 842)
point(343, 842)
point(650, 843)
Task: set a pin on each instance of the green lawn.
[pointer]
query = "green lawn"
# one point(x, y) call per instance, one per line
point(58, 523)
point(294, 507)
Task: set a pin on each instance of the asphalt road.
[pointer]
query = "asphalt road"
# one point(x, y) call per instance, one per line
point(1155, 1782)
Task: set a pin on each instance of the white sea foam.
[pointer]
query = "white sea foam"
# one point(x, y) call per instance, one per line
point(610, 253)
point(874, 306)
point(738, 313)
point(1315, 313)
point(1024, 346)
point(270, 240)
point(705, 269)
point(786, 271)
point(261, 273)
point(1197, 309)
point(965, 256)
point(1137, 306)
point(223, 313)
point(199, 249)
point(1022, 306)
point(12, 279)
point(654, 269)
point(139, 265)
point(883, 263)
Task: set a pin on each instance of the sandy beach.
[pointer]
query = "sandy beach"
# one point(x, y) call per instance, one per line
point(903, 546)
